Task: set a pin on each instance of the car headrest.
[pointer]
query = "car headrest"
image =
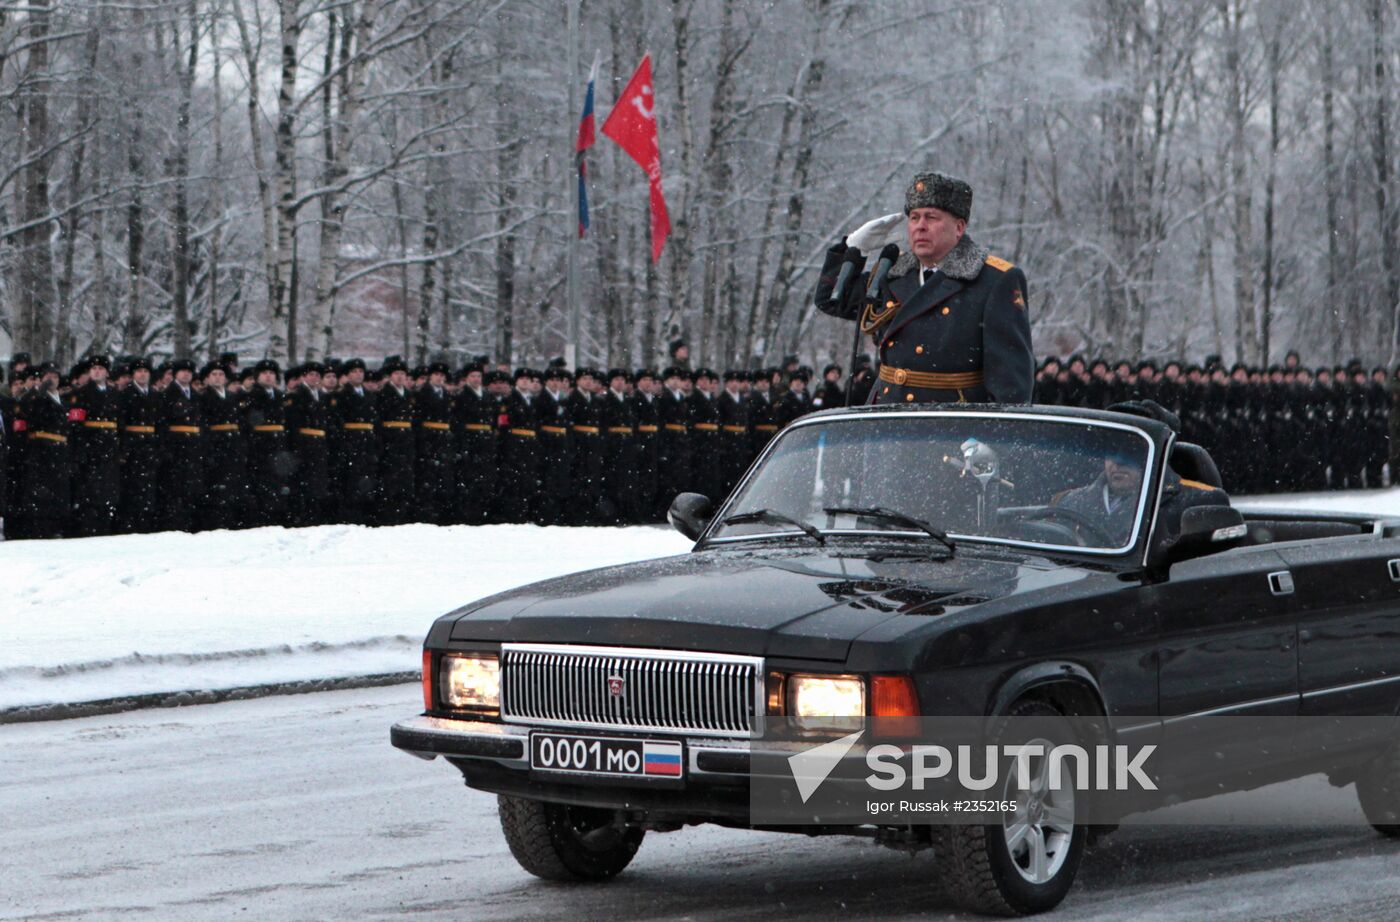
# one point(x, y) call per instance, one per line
point(1192, 462)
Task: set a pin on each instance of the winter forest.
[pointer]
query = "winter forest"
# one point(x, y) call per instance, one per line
point(307, 178)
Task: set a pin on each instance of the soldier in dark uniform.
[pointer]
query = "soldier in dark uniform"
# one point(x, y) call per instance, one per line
point(432, 418)
point(763, 413)
point(673, 454)
point(555, 448)
point(951, 321)
point(356, 419)
point(647, 409)
point(182, 451)
point(796, 402)
point(706, 465)
point(270, 460)
point(619, 451)
point(474, 423)
point(586, 428)
point(140, 412)
point(519, 450)
point(45, 483)
point(1377, 427)
point(309, 429)
point(397, 447)
point(734, 433)
point(225, 452)
point(830, 394)
point(96, 444)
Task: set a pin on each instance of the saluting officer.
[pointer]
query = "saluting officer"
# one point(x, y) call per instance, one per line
point(951, 321)
point(270, 461)
point(45, 484)
point(308, 432)
point(357, 463)
point(96, 440)
point(225, 452)
point(140, 413)
point(474, 419)
point(432, 417)
point(182, 455)
point(397, 447)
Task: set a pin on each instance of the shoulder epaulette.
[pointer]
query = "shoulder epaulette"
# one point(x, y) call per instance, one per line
point(996, 262)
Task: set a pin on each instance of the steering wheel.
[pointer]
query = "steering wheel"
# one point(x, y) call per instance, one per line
point(1093, 529)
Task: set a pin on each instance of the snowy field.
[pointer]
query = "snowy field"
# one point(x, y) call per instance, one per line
point(99, 618)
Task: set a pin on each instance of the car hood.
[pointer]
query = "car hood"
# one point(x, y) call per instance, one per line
point(806, 604)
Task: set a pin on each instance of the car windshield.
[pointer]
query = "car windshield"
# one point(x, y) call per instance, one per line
point(1056, 483)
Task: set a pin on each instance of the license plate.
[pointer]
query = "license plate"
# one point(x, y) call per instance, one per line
point(601, 755)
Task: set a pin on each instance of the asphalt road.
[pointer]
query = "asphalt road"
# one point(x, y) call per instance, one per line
point(298, 808)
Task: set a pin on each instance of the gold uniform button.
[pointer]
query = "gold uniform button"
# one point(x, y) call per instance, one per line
point(889, 344)
point(947, 310)
point(919, 349)
point(887, 390)
point(908, 397)
point(900, 376)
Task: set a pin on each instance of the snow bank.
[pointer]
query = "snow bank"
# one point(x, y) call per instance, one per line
point(97, 618)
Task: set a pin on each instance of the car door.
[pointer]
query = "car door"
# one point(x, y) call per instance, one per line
point(1348, 598)
point(1227, 648)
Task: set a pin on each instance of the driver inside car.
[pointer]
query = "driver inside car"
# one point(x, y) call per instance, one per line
point(1111, 499)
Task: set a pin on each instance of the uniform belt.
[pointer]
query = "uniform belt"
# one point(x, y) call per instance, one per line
point(646, 428)
point(48, 436)
point(932, 380)
point(477, 427)
point(314, 433)
point(141, 430)
point(100, 424)
point(358, 427)
point(437, 427)
point(766, 428)
point(620, 430)
point(588, 430)
point(675, 427)
point(736, 429)
point(224, 427)
point(396, 424)
point(524, 433)
point(270, 427)
point(707, 427)
point(555, 430)
point(184, 430)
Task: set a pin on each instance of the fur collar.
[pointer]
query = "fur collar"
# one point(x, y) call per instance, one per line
point(963, 263)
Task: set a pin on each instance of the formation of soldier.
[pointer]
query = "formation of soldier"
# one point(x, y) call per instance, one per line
point(1285, 428)
point(127, 447)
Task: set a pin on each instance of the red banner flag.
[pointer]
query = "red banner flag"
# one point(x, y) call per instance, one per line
point(632, 124)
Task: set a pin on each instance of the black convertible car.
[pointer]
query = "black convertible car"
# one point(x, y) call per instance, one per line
point(914, 562)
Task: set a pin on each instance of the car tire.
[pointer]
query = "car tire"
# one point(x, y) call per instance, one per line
point(567, 843)
point(1378, 789)
point(983, 871)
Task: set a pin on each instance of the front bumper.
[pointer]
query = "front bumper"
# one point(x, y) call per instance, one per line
point(494, 757)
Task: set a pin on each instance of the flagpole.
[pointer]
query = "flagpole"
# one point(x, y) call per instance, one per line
point(571, 347)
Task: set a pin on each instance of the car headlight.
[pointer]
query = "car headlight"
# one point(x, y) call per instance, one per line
point(470, 681)
point(826, 701)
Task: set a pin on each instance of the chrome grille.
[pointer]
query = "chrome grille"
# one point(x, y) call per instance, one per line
point(669, 691)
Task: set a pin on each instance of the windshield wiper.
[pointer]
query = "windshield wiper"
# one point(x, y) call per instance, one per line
point(769, 517)
point(898, 518)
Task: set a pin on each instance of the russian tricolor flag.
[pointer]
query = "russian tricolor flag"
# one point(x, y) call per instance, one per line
point(585, 140)
point(661, 759)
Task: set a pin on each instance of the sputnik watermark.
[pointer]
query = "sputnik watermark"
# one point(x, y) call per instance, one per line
point(975, 769)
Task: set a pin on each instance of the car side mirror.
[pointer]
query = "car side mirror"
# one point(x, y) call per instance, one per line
point(1206, 529)
point(689, 514)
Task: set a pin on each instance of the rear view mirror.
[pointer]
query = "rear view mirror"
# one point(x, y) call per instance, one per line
point(689, 514)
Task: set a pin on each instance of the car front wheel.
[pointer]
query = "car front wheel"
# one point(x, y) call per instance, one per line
point(1027, 863)
point(567, 843)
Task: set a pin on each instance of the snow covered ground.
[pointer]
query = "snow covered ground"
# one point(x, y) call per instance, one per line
point(100, 618)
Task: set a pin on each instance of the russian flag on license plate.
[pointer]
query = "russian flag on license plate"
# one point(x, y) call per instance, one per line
point(661, 759)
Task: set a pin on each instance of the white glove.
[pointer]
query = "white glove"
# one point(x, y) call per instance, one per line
point(872, 235)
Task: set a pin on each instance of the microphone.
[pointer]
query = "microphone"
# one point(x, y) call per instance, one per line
point(882, 269)
point(852, 264)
